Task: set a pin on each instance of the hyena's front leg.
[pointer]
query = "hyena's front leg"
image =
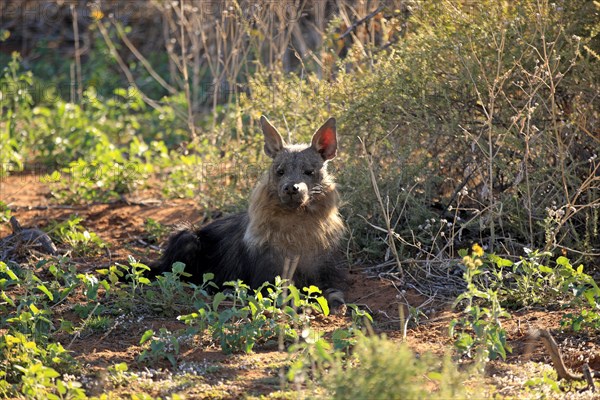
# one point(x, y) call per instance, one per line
point(329, 279)
point(336, 301)
point(333, 281)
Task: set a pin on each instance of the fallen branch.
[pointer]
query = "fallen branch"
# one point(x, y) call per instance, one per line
point(557, 361)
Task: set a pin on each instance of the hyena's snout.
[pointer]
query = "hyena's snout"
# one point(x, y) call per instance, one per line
point(293, 193)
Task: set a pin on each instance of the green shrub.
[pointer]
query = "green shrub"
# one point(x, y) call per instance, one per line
point(30, 364)
point(15, 108)
point(80, 240)
point(479, 330)
point(495, 283)
point(536, 280)
point(165, 345)
point(382, 369)
point(31, 370)
point(462, 121)
point(239, 318)
point(466, 114)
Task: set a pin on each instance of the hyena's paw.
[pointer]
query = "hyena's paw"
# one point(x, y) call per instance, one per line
point(337, 304)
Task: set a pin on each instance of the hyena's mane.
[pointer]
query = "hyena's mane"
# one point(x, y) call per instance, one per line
point(293, 214)
point(306, 232)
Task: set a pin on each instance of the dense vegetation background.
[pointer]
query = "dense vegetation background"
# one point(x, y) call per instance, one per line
point(483, 115)
point(460, 122)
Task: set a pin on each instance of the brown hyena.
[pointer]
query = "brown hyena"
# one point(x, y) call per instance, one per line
point(293, 215)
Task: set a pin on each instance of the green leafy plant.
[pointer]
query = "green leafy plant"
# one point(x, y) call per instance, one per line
point(584, 319)
point(5, 213)
point(41, 382)
point(82, 241)
point(30, 362)
point(584, 296)
point(155, 231)
point(65, 278)
point(119, 374)
point(34, 369)
point(106, 172)
point(15, 107)
point(21, 313)
point(119, 275)
point(344, 339)
point(382, 369)
point(239, 318)
point(480, 327)
point(98, 323)
point(533, 281)
point(313, 356)
point(135, 275)
point(171, 290)
point(248, 319)
point(164, 345)
point(33, 321)
point(546, 381)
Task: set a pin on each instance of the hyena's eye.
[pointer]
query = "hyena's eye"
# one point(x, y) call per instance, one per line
point(309, 172)
point(280, 171)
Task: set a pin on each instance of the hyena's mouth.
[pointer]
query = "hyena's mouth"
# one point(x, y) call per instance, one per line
point(294, 201)
point(294, 195)
point(302, 199)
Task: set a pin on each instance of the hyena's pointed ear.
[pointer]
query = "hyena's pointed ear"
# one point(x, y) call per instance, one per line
point(273, 140)
point(324, 141)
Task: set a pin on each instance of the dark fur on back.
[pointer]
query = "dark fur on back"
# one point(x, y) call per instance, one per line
point(293, 213)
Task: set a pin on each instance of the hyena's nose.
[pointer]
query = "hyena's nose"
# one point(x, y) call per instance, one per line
point(291, 188)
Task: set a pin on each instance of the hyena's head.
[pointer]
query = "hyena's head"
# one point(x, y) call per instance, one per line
point(298, 175)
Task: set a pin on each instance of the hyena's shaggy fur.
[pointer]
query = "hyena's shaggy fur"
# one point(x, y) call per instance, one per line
point(293, 214)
